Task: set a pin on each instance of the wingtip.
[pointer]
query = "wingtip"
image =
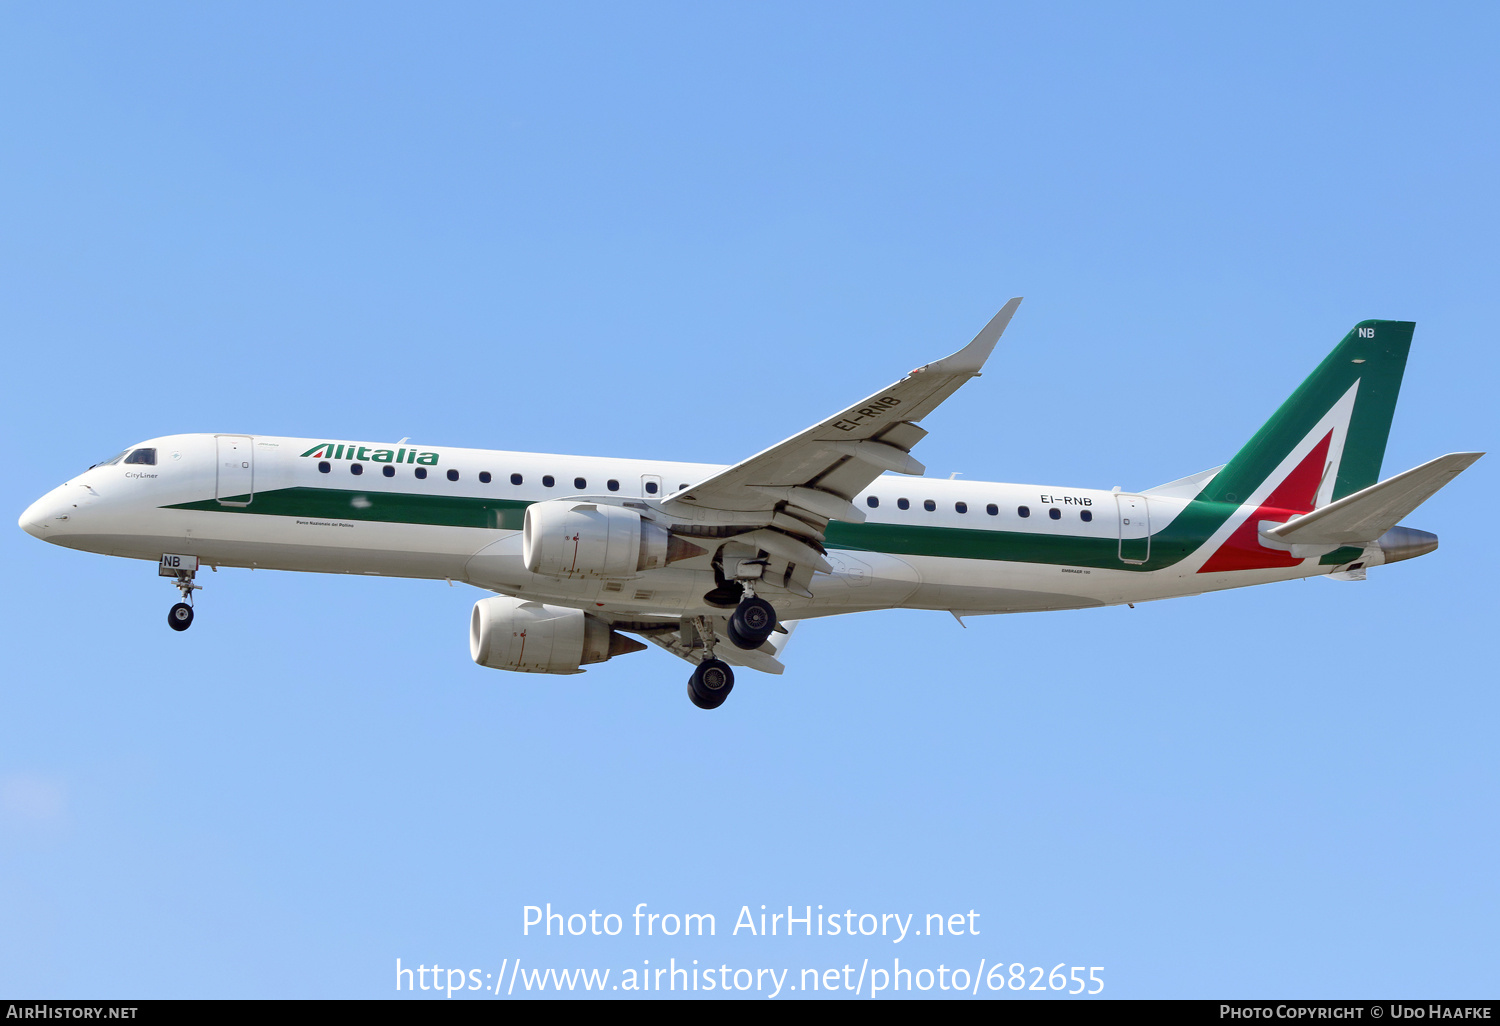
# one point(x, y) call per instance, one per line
point(970, 359)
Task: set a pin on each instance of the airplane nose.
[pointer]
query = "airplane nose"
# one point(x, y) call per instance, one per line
point(32, 519)
point(46, 517)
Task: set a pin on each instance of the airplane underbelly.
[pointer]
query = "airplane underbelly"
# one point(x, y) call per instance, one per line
point(308, 544)
point(978, 585)
point(861, 580)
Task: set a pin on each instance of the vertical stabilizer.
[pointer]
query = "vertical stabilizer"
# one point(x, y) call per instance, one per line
point(1339, 418)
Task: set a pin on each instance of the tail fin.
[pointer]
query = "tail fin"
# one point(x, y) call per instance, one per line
point(1328, 440)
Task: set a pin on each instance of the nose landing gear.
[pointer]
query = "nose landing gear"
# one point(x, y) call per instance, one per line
point(183, 569)
point(180, 616)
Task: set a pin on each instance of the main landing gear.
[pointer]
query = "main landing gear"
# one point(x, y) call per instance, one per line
point(710, 684)
point(752, 622)
point(183, 569)
point(712, 679)
point(750, 625)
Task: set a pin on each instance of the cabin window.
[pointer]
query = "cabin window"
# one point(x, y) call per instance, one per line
point(515, 479)
point(992, 510)
point(962, 507)
point(872, 502)
point(548, 481)
point(1055, 513)
point(1085, 515)
point(484, 477)
point(421, 473)
point(650, 487)
point(614, 485)
point(1023, 511)
point(323, 467)
point(388, 470)
point(929, 505)
point(452, 475)
point(146, 456)
point(356, 469)
point(580, 483)
point(903, 504)
point(682, 486)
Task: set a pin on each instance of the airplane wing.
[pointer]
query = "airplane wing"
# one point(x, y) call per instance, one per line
point(786, 495)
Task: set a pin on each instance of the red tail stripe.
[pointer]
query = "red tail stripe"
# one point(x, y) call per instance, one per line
point(1242, 550)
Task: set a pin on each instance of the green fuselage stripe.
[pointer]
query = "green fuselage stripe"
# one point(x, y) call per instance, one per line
point(380, 507)
point(1180, 538)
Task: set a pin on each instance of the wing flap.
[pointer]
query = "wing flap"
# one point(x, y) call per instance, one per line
point(829, 505)
point(685, 644)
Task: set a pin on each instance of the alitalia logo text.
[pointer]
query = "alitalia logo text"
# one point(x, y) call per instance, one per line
point(350, 451)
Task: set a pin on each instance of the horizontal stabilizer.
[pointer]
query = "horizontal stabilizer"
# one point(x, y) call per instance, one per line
point(1371, 512)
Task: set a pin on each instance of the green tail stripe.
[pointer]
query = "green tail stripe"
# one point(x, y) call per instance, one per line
point(1381, 348)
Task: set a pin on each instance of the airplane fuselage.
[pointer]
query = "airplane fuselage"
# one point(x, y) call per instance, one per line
point(303, 504)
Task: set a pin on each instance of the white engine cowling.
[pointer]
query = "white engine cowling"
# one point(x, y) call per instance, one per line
point(530, 637)
point(585, 539)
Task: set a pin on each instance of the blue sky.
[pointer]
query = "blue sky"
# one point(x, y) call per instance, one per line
point(686, 232)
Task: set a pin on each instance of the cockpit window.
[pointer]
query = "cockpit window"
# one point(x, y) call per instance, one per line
point(146, 456)
point(112, 460)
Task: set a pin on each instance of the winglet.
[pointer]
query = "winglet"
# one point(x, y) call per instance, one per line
point(971, 357)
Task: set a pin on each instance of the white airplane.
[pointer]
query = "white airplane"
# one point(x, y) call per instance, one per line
point(717, 564)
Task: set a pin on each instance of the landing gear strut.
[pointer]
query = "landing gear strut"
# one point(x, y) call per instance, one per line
point(712, 680)
point(183, 569)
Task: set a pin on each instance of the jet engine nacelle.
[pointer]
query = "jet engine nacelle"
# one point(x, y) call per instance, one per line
point(586, 539)
point(513, 634)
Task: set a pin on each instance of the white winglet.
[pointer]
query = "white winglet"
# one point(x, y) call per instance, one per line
point(971, 357)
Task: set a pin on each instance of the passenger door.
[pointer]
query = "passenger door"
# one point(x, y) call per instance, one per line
point(1135, 528)
point(235, 485)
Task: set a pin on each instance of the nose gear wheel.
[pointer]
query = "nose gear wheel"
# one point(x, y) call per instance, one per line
point(180, 617)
